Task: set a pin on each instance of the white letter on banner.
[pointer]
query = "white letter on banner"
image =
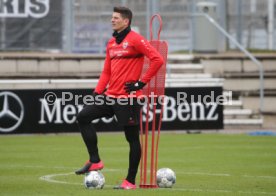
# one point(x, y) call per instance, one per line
point(67, 111)
point(210, 115)
point(201, 111)
point(184, 108)
point(38, 8)
point(50, 114)
point(167, 109)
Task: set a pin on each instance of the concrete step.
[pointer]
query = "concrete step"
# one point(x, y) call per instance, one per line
point(228, 94)
point(244, 122)
point(237, 112)
point(238, 75)
point(177, 58)
point(193, 82)
point(252, 102)
point(233, 104)
point(56, 66)
point(43, 75)
point(187, 66)
point(91, 83)
point(48, 83)
point(192, 75)
point(248, 84)
point(200, 80)
point(218, 66)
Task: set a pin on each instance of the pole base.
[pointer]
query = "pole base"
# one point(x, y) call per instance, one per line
point(148, 186)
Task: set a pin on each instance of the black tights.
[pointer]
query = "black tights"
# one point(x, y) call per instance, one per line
point(132, 136)
point(89, 136)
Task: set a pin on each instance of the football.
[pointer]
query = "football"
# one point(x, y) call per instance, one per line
point(94, 180)
point(165, 178)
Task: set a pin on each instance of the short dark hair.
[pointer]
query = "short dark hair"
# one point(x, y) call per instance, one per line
point(125, 12)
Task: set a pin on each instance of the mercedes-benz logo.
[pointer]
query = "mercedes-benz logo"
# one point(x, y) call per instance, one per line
point(12, 110)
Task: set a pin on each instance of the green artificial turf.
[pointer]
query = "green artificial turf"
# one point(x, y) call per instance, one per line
point(205, 164)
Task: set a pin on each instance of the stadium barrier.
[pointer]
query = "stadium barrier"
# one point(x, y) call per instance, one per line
point(54, 111)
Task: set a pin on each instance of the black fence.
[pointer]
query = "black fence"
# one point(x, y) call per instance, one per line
point(31, 25)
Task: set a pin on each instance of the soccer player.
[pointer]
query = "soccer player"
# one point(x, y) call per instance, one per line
point(121, 77)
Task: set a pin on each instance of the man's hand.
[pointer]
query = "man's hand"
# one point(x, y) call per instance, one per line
point(134, 86)
point(94, 94)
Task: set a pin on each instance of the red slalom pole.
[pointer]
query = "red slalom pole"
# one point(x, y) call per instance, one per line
point(142, 146)
point(149, 159)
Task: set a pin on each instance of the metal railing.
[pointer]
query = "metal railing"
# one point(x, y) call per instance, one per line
point(246, 52)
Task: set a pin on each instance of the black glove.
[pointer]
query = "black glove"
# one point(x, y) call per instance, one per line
point(134, 86)
point(94, 94)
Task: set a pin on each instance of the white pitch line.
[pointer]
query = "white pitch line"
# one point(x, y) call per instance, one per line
point(52, 167)
point(261, 193)
point(49, 178)
point(221, 191)
point(120, 170)
point(202, 174)
point(267, 177)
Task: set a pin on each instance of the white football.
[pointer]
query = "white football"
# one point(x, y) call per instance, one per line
point(165, 178)
point(94, 180)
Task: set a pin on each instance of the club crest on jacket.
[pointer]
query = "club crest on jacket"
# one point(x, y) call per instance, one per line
point(125, 44)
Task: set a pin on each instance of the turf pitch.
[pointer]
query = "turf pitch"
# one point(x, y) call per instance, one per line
point(205, 164)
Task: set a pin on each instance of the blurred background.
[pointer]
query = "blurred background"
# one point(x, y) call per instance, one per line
point(222, 46)
point(52, 53)
point(84, 25)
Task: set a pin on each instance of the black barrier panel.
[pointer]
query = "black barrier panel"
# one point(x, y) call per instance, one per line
point(27, 111)
point(31, 25)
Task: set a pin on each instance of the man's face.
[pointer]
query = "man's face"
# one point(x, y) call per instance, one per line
point(118, 22)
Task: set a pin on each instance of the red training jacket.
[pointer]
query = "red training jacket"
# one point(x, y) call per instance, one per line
point(124, 63)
